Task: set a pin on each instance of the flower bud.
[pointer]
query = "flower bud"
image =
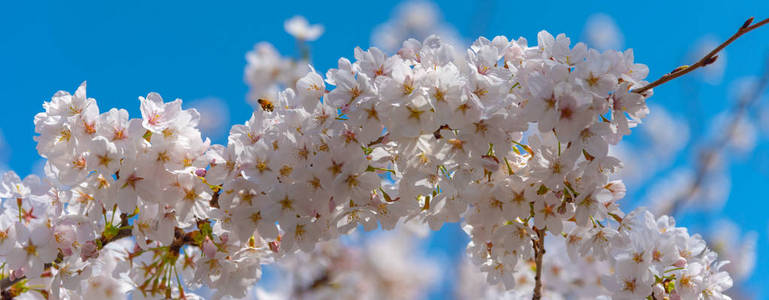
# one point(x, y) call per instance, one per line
point(89, 250)
point(680, 263)
point(209, 249)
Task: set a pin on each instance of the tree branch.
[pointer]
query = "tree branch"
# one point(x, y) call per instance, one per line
point(539, 252)
point(6, 283)
point(704, 61)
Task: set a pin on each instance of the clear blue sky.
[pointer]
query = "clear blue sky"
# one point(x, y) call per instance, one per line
point(192, 50)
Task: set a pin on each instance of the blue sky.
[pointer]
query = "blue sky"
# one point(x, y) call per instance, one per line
point(193, 50)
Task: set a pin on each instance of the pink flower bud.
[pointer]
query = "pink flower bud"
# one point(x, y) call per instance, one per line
point(680, 263)
point(209, 249)
point(274, 246)
point(18, 273)
point(89, 250)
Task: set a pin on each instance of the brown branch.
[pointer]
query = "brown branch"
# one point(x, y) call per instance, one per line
point(710, 153)
point(6, 283)
point(539, 252)
point(214, 202)
point(377, 141)
point(704, 61)
point(125, 231)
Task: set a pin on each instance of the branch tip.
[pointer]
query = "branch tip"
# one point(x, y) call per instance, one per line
point(709, 58)
point(747, 23)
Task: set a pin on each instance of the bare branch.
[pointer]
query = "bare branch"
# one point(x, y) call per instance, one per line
point(704, 61)
point(539, 252)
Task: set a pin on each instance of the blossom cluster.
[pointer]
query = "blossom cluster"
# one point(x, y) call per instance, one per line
point(508, 138)
point(642, 256)
point(654, 251)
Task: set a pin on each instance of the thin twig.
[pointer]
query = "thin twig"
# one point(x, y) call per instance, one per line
point(539, 252)
point(704, 61)
point(709, 154)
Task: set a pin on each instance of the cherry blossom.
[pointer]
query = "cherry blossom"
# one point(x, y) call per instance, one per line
point(509, 139)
